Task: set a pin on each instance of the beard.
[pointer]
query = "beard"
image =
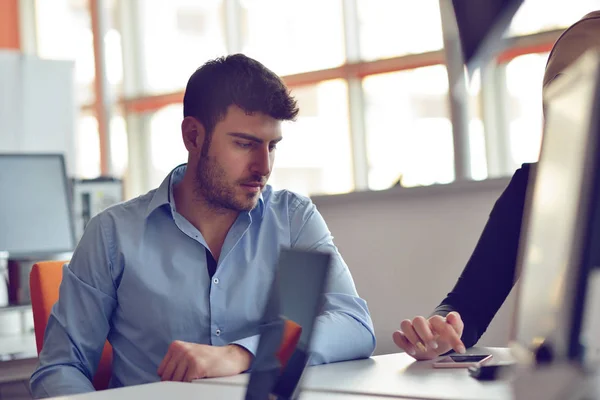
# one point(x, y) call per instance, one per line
point(213, 187)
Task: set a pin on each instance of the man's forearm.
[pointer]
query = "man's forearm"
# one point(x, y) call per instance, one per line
point(339, 336)
point(60, 380)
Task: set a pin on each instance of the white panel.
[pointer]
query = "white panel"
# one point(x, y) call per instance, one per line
point(49, 108)
point(10, 99)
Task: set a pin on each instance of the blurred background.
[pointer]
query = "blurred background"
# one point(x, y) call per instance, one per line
point(369, 76)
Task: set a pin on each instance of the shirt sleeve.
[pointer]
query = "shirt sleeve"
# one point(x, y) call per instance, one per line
point(489, 275)
point(79, 322)
point(343, 330)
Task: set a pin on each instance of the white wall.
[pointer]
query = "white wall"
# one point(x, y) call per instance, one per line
point(407, 246)
point(37, 106)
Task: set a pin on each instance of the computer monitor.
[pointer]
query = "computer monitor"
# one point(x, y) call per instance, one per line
point(481, 26)
point(35, 213)
point(560, 237)
point(296, 298)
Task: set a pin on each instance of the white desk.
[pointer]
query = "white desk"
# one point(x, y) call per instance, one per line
point(389, 376)
point(397, 375)
point(178, 390)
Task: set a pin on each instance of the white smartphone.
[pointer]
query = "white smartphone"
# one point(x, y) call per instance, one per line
point(462, 360)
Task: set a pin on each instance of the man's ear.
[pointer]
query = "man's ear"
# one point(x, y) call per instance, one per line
point(193, 134)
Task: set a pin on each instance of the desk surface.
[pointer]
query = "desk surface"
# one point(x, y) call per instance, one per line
point(389, 376)
point(178, 390)
point(398, 375)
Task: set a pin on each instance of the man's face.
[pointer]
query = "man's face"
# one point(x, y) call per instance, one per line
point(236, 162)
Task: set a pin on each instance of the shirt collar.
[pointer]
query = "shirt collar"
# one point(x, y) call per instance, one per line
point(164, 193)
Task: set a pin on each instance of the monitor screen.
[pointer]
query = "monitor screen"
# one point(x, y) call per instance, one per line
point(557, 225)
point(481, 26)
point(35, 216)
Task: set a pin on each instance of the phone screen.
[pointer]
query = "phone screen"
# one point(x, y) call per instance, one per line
point(468, 358)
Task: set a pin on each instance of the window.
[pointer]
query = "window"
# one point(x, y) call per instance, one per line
point(290, 36)
point(314, 156)
point(390, 28)
point(87, 144)
point(409, 134)
point(524, 76)
point(542, 15)
point(477, 145)
point(64, 32)
point(113, 50)
point(119, 148)
point(177, 37)
point(166, 144)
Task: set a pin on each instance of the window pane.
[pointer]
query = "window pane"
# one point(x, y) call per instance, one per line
point(542, 15)
point(113, 50)
point(87, 142)
point(119, 149)
point(391, 28)
point(409, 133)
point(314, 156)
point(291, 36)
point(166, 145)
point(178, 36)
point(524, 77)
point(477, 151)
point(64, 32)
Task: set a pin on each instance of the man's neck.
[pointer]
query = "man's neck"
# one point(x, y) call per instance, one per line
point(214, 224)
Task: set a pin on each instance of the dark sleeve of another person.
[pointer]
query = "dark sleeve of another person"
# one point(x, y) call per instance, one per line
point(489, 274)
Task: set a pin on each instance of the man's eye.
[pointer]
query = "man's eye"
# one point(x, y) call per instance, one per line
point(272, 147)
point(244, 145)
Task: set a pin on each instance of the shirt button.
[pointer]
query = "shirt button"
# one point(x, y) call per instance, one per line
point(216, 281)
point(218, 332)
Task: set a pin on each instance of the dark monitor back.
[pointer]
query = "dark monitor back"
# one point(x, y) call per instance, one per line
point(481, 25)
point(296, 295)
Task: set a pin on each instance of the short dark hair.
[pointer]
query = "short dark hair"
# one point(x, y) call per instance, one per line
point(236, 80)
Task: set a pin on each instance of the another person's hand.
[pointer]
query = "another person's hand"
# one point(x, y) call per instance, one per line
point(185, 362)
point(425, 339)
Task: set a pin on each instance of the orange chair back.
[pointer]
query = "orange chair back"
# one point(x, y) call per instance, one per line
point(44, 284)
point(291, 336)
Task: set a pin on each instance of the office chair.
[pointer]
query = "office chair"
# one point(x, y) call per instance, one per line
point(44, 284)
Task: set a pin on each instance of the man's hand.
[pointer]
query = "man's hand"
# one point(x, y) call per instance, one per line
point(185, 362)
point(426, 339)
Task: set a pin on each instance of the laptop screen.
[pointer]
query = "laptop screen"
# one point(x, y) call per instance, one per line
point(286, 331)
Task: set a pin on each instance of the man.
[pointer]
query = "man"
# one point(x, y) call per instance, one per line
point(464, 315)
point(177, 279)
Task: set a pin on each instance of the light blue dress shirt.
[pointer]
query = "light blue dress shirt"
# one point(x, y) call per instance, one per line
point(139, 278)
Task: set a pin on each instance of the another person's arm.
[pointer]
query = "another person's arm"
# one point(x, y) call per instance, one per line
point(482, 287)
point(80, 320)
point(344, 330)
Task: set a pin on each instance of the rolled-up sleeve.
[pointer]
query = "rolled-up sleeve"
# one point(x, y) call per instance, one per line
point(79, 322)
point(343, 330)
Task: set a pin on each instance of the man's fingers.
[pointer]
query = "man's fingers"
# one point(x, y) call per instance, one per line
point(169, 370)
point(411, 335)
point(164, 362)
point(447, 333)
point(423, 330)
point(181, 367)
point(401, 341)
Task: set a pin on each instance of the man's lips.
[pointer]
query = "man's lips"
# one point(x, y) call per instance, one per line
point(253, 186)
